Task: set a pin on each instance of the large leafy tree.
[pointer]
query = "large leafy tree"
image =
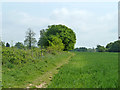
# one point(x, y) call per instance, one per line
point(64, 33)
point(29, 39)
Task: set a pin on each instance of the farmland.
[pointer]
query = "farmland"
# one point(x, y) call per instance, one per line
point(59, 45)
point(27, 69)
point(88, 70)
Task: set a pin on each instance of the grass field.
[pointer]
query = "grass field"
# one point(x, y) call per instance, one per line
point(63, 70)
point(88, 70)
point(32, 74)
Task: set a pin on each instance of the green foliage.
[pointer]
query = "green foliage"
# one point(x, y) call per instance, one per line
point(66, 34)
point(19, 45)
point(43, 41)
point(55, 44)
point(30, 40)
point(21, 75)
point(113, 47)
point(100, 48)
point(19, 56)
point(84, 49)
point(88, 70)
point(81, 49)
point(108, 46)
point(2, 44)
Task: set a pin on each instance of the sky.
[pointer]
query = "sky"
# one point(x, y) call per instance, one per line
point(93, 22)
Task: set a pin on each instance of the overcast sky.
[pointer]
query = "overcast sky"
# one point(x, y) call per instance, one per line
point(93, 23)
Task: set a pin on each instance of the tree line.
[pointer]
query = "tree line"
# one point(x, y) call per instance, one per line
point(110, 47)
point(59, 38)
point(55, 37)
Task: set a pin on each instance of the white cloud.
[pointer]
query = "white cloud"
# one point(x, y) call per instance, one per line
point(91, 29)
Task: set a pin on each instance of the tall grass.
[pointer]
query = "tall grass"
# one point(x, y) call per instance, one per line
point(88, 70)
point(19, 75)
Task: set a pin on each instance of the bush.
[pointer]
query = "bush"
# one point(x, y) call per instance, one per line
point(19, 56)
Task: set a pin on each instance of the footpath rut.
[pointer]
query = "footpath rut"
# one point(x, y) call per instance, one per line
point(44, 80)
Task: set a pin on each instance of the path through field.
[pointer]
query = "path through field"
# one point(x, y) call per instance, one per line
point(46, 78)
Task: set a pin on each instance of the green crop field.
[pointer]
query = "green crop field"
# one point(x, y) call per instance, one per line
point(27, 69)
point(88, 70)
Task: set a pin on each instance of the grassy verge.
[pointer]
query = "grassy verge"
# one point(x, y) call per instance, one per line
point(88, 70)
point(33, 73)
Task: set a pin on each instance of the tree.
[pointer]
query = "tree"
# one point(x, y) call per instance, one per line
point(29, 39)
point(108, 46)
point(43, 41)
point(66, 34)
point(2, 44)
point(100, 48)
point(7, 45)
point(19, 45)
point(115, 47)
